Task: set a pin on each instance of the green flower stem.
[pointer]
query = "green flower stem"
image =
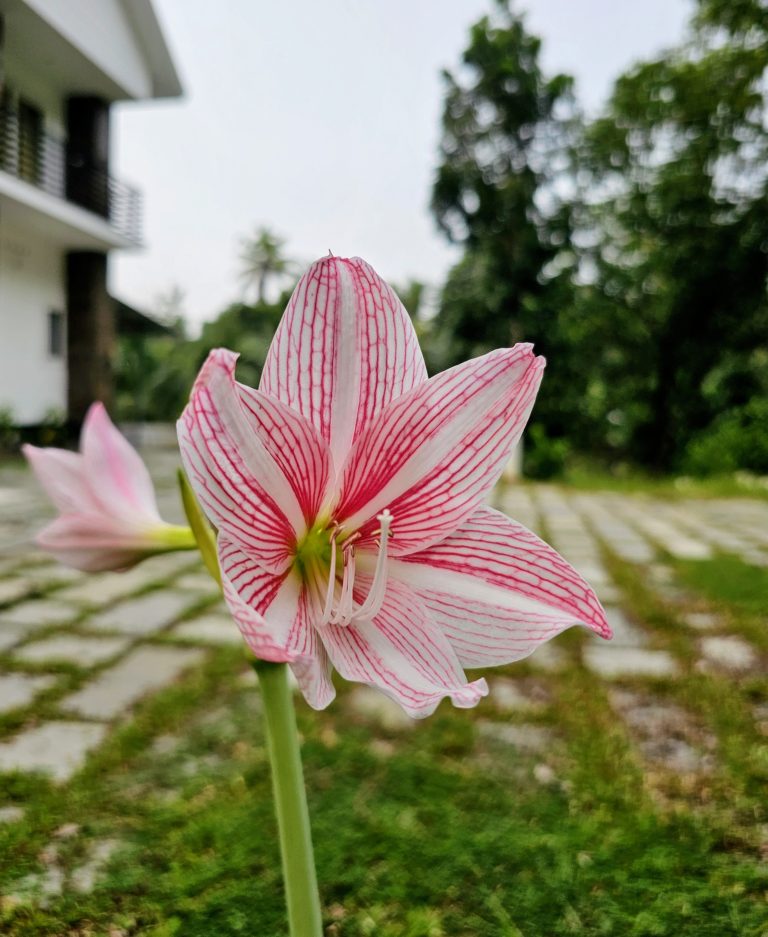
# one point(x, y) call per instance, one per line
point(167, 538)
point(172, 537)
point(301, 893)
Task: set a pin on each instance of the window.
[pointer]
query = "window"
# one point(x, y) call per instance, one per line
point(56, 334)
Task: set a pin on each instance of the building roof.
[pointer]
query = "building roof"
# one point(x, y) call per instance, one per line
point(165, 79)
point(115, 49)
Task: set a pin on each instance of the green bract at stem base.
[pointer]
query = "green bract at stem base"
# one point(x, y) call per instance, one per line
point(203, 533)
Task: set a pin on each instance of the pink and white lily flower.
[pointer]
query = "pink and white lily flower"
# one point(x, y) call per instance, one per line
point(108, 513)
point(347, 492)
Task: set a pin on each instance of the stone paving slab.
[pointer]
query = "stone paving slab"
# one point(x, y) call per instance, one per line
point(40, 612)
point(702, 621)
point(11, 635)
point(144, 615)
point(616, 662)
point(510, 696)
point(169, 564)
point(526, 738)
point(728, 652)
point(548, 657)
point(665, 732)
point(73, 649)
point(518, 504)
point(8, 564)
point(625, 633)
point(196, 582)
point(55, 748)
point(668, 536)
point(52, 575)
point(11, 590)
point(11, 813)
point(19, 689)
point(374, 706)
point(209, 629)
point(594, 573)
point(115, 690)
point(623, 540)
point(608, 593)
point(84, 877)
point(101, 589)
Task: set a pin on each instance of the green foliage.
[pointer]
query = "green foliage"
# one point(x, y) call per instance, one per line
point(544, 458)
point(729, 581)
point(411, 295)
point(9, 437)
point(154, 374)
point(736, 440)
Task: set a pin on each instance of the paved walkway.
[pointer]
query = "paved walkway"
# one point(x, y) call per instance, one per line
point(127, 635)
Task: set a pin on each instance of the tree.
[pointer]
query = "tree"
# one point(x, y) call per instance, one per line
point(678, 225)
point(411, 294)
point(156, 374)
point(262, 260)
point(500, 192)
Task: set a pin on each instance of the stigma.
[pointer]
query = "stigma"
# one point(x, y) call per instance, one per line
point(341, 609)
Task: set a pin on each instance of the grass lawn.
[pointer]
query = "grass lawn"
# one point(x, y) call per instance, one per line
point(587, 476)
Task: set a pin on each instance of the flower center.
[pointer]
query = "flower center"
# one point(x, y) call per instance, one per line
point(326, 554)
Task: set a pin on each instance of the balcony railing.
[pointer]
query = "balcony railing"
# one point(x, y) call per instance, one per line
point(41, 159)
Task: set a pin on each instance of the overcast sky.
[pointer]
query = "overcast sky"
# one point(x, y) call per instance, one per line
point(322, 120)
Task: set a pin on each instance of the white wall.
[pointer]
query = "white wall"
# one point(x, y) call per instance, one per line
point(32, 383)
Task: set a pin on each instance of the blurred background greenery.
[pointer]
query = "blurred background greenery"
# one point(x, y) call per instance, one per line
point(632, 249)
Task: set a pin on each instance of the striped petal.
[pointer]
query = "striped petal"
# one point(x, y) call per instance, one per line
point(115, 473)
point(295, 445)
point(273, 614)
point(433, 454)
point(312, 669)
point(230, 459)
point(60, 473)
point(497, 591)
point(344, 349)
point(95, 542)
point(403, 653)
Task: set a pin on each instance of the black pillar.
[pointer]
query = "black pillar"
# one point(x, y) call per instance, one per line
point(90, 334)
point(88, 153)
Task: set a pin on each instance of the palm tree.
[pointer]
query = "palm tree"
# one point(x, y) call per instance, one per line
point(262, 258)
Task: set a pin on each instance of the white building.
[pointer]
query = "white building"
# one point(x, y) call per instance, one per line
point(62, 64)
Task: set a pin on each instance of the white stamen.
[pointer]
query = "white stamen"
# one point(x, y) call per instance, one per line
point(375, 599)
point(345, 612)
point(327, 609)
